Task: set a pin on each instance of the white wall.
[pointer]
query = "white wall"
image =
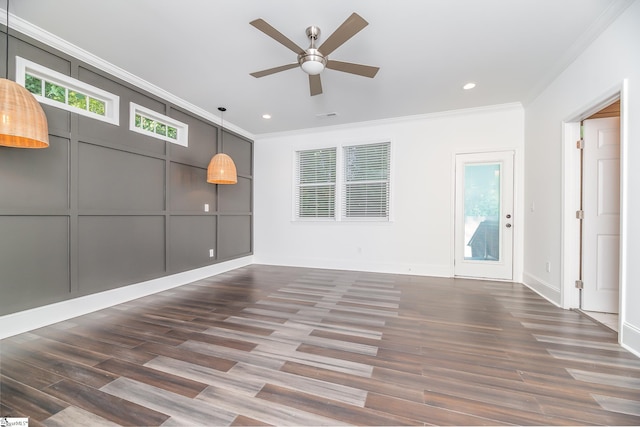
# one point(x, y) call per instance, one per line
point(597, 73)
point(419, 238)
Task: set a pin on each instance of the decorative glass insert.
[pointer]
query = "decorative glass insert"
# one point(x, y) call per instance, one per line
point(62, 91)
point(156, 125)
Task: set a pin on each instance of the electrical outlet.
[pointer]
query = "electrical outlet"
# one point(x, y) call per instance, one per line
point(211, 253)
point(206, 207)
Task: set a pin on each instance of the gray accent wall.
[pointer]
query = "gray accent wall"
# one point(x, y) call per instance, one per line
point(104, 207)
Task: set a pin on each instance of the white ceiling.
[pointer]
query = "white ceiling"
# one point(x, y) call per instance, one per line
point(202, 51)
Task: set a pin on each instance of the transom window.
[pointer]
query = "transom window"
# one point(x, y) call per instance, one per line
point(156, 125)
point(61, 91)
point(358, 189)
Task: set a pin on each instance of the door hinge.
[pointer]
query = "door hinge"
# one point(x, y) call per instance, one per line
point(580, 214)
point(580, 144)
point(579, 284)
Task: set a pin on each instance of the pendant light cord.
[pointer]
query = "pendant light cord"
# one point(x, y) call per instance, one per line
point(222, 110)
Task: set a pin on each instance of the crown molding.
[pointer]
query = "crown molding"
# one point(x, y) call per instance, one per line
point(37, 33)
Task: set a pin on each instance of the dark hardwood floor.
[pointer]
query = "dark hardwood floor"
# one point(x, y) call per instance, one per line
point(292, 346)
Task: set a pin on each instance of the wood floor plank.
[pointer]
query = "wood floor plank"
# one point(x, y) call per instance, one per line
point(60, 366)
point(181, 411)
point(242, 420)
point(23, 399)
point(264, 410)
point(214, 362)
point(72, 415)
point(503, 414)
point(424, 413)
point(222, 379)
point(325, 389)
point(104, 405)
point(76, 338)
point(338, 409)
point(367, 384)
point(173, 383)
point(27, 374)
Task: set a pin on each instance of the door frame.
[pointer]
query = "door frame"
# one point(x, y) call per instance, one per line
point(570, 251)
point(518, 212)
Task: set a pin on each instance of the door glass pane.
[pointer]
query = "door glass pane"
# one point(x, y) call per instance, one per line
point(482, 211)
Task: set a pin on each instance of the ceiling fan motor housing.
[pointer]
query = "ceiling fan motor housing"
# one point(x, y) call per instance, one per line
point(312, 61)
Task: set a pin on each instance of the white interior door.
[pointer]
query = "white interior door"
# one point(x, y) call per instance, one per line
point(484, 215)
point(601, 223)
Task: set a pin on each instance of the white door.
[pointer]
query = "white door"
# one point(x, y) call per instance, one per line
point(484, 215)
point(601, 206)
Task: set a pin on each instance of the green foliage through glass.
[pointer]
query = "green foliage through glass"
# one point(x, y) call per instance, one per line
point(55, 92)
point(33, 84)
point(77, 100)
point(97, 106)
point(161, 129)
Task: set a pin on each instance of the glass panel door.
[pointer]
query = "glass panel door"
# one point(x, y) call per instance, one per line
point(484, 215)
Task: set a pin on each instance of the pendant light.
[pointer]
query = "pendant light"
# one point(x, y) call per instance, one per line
point(221, 168)
point(23, 123)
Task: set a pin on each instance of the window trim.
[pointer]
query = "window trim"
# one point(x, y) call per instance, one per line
point(112, 101)
point(182, 128)
point(340, 183)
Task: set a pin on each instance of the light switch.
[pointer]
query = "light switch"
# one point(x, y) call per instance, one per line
point(206, 207)
point(210, 253)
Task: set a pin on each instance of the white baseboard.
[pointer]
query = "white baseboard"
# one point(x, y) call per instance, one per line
point(630, 335)
point(354, 265)
point(27, 320)
point(545, 290)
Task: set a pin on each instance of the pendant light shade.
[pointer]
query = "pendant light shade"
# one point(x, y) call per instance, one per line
point(221, 168)
point(22, 120)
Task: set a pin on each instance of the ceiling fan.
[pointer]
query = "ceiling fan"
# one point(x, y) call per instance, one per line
point(314, 59)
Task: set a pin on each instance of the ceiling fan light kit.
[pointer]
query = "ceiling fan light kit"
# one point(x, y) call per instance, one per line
point(314, 60)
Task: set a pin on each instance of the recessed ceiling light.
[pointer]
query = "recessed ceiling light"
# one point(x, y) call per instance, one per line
point(469, 85)
point(266, 116)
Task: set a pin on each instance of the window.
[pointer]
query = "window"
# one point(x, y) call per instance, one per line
point(365, 190)
point(316, 184)
point(156, 125)
point(353, 181)
point(61, 91)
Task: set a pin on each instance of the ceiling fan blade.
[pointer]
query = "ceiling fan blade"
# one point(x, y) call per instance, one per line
point(263, 26)
point(344, 32)
point(350, 67)
point(315, 85)
point(274, 70)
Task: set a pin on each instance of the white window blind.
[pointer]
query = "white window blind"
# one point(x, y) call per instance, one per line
point(316, 183)
point(366, 181)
